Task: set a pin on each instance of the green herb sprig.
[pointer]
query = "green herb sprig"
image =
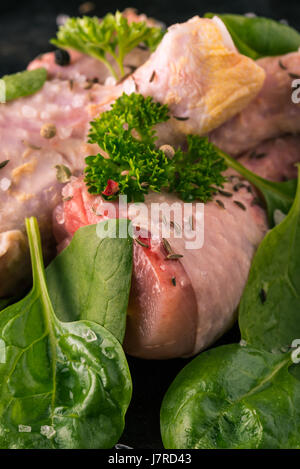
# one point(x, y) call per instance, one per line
point(135, 165)
point(113, 37)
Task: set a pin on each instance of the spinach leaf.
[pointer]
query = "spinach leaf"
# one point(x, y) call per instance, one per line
point(277, 195)
point(3, 303)
point(62, 385)
point(233, 397)
point(260, 37)
point(269, 314)
point(248, 396)
point(24, 83)
point(91, 278)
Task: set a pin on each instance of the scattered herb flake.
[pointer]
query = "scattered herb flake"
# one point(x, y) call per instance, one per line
point(63, 173)
point(240, 204)
point(225, 193)
point(152, 76)
point(220, 203)
point(4, 163)
point(141, 243)
point(178, 118)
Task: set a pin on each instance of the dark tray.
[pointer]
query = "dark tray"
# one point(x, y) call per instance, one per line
point(25, 30)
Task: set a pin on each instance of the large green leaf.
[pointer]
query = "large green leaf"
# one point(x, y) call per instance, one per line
point(62, 385)
point(269, 314)
point(260, 37)
point(91, 278)
point(233, 397)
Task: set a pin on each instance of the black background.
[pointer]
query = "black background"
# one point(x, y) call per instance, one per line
point(25, 29)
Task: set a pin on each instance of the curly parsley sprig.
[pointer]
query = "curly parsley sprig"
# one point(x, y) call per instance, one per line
point(134, 165)
point(112, 36)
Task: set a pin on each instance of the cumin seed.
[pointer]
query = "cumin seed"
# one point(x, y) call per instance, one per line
point(281, 65)
point(257, 156)
point(141, 243)
point(171, 255)
point(239, 204)
point(181, 118)
point(3, 163)
point(238, 186)
point(89, 84)
point(175, 226)
point(225, 193)
point(152, 76)
point(174, 256)
point(294, 75)
point(220, 203)
point(167, 246)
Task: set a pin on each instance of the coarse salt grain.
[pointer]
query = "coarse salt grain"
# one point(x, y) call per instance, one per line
point(28, 111)
point(78, 101)
point(5, 184)
point(110, 81)
point(64, 132)
point(129, 86)
point(51, 108)
point(45, 115)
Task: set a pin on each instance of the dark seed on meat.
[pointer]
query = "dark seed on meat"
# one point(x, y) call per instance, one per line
point(257, 156)
point(281, 65)
point(141, 243)
point(174, 256)
point(3, 163)
point(152, 76)
point(239, 186)
point(225, 193)
point(174, 281)
point(239, 204)
point(181, 118)
point(220, 203)
point(62, 57)
point(294, 75)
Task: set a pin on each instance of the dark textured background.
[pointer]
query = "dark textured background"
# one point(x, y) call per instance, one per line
point(25, 29)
